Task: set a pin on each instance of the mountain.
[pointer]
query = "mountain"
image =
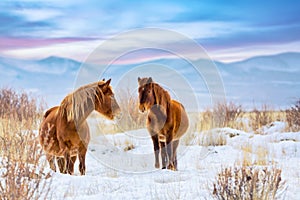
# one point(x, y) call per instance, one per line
point(281, 62)
point(272, 80)
point(50, 78)
point(50, 65)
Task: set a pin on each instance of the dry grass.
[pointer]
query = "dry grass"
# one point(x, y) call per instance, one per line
point(249, 183)
point(221, 115)
point(21, 163)
point(20, 106)
point(212, 138)
point(131, 117)
point(233, 116)
point(226, 114)
point(264, 116)
point(258, 155)
point(293, 117)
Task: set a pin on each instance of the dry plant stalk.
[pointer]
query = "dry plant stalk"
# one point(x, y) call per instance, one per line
point(262, 117)
point(293, 117)
point(131, 117)
point(212, 138)
point(249, 183)
point(221, 115)
point(22, 173)
point(225, 115)
point(258, 155)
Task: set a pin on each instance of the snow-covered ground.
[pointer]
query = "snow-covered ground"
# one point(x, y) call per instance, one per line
point(120, 166)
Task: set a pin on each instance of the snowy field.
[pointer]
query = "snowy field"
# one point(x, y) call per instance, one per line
point(120, 166)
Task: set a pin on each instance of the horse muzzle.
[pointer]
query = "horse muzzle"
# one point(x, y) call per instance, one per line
point(142, 108)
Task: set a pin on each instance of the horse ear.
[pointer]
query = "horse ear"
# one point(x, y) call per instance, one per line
point(139, 79)
point(108, 82)
point(103, 79)
point(105, 85)
point(150, 80)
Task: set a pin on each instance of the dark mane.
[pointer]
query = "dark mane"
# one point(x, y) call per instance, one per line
point(162, 97)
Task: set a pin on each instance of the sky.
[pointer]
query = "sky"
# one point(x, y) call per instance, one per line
point(227, 30)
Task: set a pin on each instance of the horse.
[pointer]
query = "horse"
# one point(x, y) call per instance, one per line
point(64, 132)
point(166, 122)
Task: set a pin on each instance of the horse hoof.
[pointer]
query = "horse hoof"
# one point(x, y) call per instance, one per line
point(172, 167)
point(163, 168)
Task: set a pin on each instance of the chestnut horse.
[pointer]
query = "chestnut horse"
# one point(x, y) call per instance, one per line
point(167, 121)
point(64, 133)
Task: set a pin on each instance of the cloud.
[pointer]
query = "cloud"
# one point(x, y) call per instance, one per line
point(45, 25)
point(9, 43)
point(76, 48)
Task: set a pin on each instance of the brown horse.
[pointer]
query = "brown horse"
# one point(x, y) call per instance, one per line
point(64, 132)
point(167, 121)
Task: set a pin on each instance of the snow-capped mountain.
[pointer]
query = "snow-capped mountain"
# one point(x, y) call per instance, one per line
point(272, 80)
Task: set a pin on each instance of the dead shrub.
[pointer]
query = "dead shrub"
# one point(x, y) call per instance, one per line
point(261, 117)
point(22, 167)
point(293, 117)
point(131, 118)
point(221, 115)
point(249, 183)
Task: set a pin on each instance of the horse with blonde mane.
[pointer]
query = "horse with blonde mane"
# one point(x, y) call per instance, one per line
point(167, 121)
point(64, 133)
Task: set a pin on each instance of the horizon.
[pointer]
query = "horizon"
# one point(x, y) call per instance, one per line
point(154, 59)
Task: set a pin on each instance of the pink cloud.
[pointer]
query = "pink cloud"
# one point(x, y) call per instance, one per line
point(17, 43)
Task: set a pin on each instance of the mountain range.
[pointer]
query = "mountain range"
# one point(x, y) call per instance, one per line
point(272, 80)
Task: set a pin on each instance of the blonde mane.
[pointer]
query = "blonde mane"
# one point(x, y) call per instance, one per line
point(76, 103)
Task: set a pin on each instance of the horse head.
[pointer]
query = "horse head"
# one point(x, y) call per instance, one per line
point(146, 94)
point(106, 103)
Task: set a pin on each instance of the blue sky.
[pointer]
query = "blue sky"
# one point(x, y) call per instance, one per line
point(228, 30)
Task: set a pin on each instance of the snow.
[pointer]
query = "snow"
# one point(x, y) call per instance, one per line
point(117, 172)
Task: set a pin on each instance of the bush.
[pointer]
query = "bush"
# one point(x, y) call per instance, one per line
point(264, 116)
point(222, 115)
point(225, 115)
point(249, 183)
point(293, 117)
point(22, 166)
point(20, 106)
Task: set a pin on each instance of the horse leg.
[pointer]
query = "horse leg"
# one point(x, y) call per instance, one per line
point(164, 156)
point(170, 155)
point(175, 145)
point(71, 164)
point(61, 164)
point(81, 155)
point(51, 161)
point(68, 161)
point(156, 149)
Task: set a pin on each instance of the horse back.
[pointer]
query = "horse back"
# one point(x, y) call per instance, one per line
point(179, 119)
point(55, 108)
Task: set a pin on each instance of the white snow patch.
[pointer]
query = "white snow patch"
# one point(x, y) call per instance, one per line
point(113, 173)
